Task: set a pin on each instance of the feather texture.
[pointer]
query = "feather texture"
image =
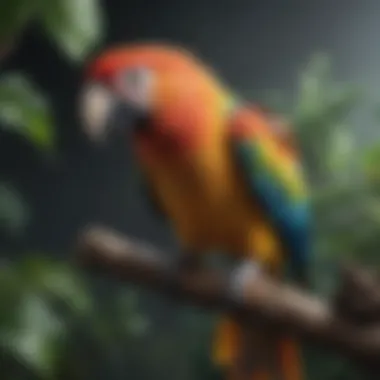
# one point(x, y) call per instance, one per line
point(274, 179)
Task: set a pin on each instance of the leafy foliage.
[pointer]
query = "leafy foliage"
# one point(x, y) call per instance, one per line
point(24, 111)
point(44, 304)
point(74, 25)
point(345, 186)
point(342, 177)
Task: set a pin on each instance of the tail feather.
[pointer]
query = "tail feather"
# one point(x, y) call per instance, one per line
point(226, 343)
point(290, 360)
point(254, 355)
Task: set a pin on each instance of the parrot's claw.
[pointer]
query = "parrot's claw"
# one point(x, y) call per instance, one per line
point(241, 275)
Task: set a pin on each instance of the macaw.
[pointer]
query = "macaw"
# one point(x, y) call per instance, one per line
point(224, 173)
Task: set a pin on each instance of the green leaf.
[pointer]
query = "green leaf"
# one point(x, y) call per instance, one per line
point(23, 110)
point(341, 153)
point(321, 111)
point(13, 210)
point(56, 279)
point(75, 25)
point(370, 162)
point(321, 101)
point(311, 90)
point(31, 327)
point(34, 340)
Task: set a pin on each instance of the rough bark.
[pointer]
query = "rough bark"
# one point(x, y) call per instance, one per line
point(350, 326)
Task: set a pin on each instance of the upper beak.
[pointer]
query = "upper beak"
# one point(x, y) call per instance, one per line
point(101, 112)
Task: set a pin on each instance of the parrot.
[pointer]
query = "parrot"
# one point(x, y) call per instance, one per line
point(226, 174)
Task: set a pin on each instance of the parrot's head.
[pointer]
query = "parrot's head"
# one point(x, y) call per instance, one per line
point(155, 91)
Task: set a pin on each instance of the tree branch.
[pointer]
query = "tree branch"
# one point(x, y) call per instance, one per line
point(261, 300)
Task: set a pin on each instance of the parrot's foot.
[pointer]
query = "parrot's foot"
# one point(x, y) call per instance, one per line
point(241, 275)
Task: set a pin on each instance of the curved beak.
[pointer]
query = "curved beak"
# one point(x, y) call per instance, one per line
point(102, 113)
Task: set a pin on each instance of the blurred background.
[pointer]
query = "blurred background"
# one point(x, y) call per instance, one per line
point(316, 62)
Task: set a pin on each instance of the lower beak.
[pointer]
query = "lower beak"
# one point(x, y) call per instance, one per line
point(102, 114)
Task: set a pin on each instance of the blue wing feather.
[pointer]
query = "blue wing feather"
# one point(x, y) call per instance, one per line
point(290, 215)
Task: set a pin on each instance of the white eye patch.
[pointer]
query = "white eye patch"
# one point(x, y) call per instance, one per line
point(95, 106)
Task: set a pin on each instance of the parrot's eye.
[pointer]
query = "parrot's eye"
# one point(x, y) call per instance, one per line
point(135, 86)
